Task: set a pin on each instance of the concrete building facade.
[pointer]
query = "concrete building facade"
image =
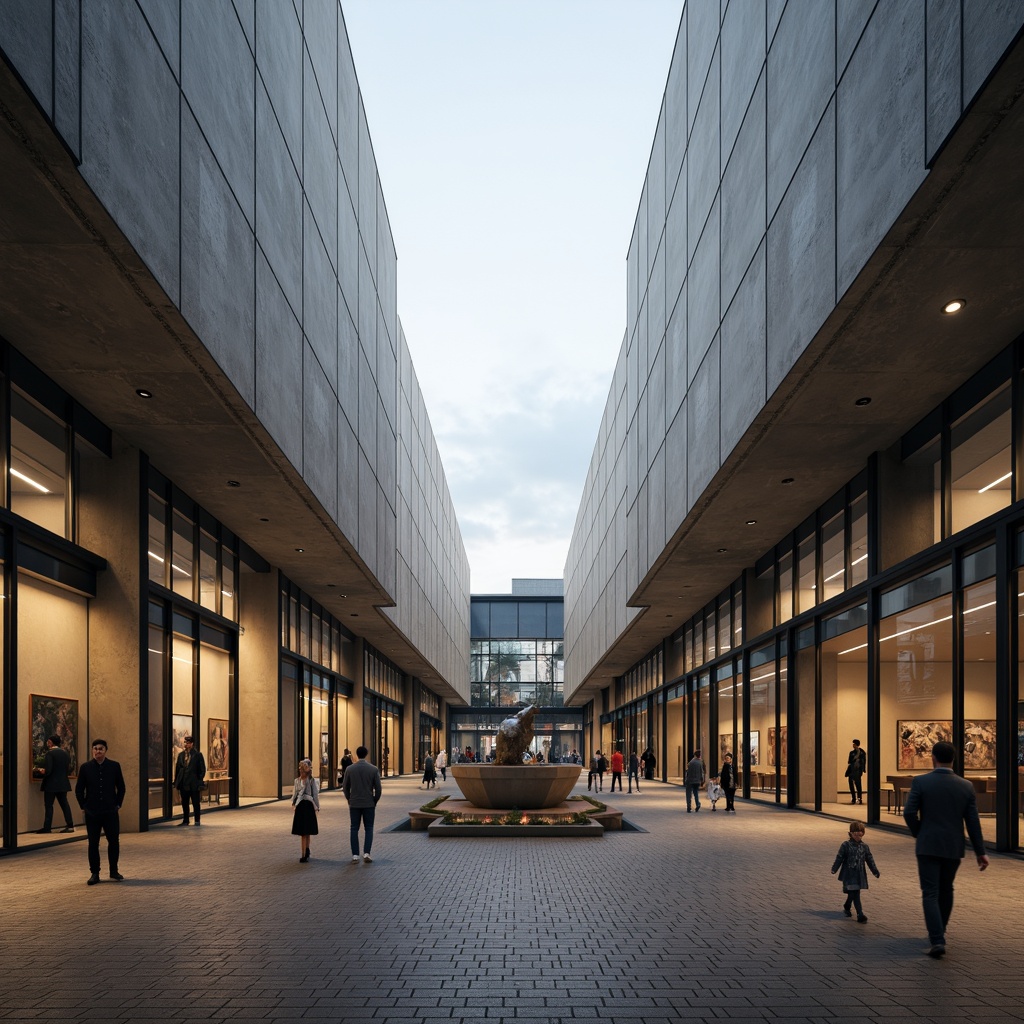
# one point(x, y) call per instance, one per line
point(242, 527)
point(824, 179)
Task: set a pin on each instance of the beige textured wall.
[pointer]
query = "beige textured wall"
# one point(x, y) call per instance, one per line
point(109, 526)
point(258, 686)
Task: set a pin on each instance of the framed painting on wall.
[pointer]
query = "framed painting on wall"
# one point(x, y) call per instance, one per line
point(979, 744)
point(777, 750)
point(53, 716)
point(754, 748)
point(181, 726)
point(914, 742)
point(217, 747)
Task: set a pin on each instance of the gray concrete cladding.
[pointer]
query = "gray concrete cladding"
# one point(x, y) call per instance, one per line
point(228, 140)
point(791, 136)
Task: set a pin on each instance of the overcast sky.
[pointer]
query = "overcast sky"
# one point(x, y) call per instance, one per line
point(512, 140)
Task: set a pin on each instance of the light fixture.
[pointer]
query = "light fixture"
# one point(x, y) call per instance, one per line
point(234, 483)
point(300, 550)
point(987, 487)
point(264, 519)
point(751, 522)
point(863, 401)
point(143, 393)
point(953, 306)
point(722, 551)
point(789, 479)
point(29, 481)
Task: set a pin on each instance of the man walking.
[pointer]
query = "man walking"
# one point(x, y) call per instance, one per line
point(694, 780)
point(100, 793)
point(362, 789)
point(856, 767)
point(55, 785)
point(617, 766)
point(634, 771)
point(189, 773)
point(937, 808)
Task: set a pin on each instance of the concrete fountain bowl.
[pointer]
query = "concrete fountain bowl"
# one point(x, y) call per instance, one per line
point(528, 787)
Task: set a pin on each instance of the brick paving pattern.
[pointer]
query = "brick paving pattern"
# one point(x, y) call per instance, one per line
point(703, 917)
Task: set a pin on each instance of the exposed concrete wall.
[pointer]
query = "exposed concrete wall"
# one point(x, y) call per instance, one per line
point(108, 509)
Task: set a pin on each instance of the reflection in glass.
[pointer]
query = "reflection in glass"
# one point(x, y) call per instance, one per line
point(980, 460)
point(39, 465)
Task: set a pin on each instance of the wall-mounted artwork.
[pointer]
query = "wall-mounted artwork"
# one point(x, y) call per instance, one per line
point(53, 716)
point(979, 744)
point(181, 726)
point(754, 748)
point(778, 750)
point(914, 742)
point(217, 747)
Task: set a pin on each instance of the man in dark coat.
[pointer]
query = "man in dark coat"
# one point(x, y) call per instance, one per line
point(857, 765)
point(937, 808)
point(100, 793)
point(55, 785)
point(189, 773)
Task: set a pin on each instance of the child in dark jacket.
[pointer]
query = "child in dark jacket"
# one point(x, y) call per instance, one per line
point(851, 862)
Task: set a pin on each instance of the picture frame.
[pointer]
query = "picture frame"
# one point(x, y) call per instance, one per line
point(181, 726)
point(753, 748)
point(979, 744)
point(778, 749)
point(915, 739)
point(53, 716)
point(325, 741)
point(217, 749)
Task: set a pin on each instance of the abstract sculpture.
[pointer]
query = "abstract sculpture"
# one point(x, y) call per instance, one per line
point(514, 737)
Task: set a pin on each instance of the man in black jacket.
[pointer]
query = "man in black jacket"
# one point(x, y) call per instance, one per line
point(55, 785)
point(938, 807)
point(189, 773)
point(100, 793)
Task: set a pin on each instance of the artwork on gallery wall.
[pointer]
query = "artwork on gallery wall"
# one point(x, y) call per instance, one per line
point(53, 716)
point(979, 744)
point(181, 726)
point(217, 747)
point(915, 739)
point(325, 739)
point(754, 748)
point(778, 751)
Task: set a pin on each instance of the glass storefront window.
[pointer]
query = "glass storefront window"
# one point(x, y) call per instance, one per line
point(207, 571)
point(229, 607)
point(844, 704)
point(981, 469)
point(858, 540)
point(157, 552)
point(785, 605)
point(156, 762)
point(38, 470)
point(724, 625)
point(833, 557)
point(916, 685)
point(182, 556)
point(806, 567)
point(980, 754)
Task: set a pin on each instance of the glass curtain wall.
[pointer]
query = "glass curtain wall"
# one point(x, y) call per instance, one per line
point(916, 677)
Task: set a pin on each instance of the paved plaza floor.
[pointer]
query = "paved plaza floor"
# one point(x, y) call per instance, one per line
point(701, 917)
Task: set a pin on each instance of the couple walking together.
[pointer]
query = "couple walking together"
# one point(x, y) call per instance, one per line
point(362, 788)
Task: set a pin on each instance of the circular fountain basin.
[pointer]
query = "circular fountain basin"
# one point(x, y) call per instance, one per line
point(528, 787)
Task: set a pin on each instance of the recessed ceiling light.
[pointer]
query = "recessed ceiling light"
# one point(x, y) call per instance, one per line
point(234, 483)
point(722, 551)
point(264, 519)
point(143, 393)
point(751, 522)
point(863, 401)
point(354, 615)
point(331, 586)
point(300, 550)
point(953, 306)
point(788, 479)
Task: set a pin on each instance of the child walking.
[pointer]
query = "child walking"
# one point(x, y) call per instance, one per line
point(714, 791)
point(850, 862)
